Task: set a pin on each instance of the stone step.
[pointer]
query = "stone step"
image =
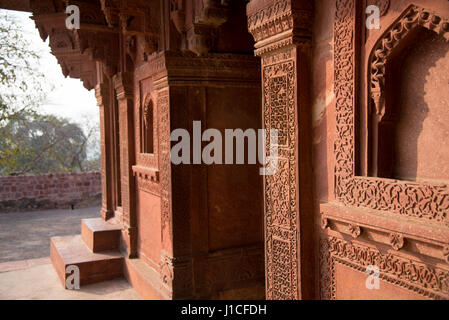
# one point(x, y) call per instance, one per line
point(93, 267)
point(145, 280)
point(100, 235)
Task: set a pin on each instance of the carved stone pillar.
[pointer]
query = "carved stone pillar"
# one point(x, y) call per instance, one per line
point(209, 246)
point(123, 83)
point(282, 31)
point(104, 100)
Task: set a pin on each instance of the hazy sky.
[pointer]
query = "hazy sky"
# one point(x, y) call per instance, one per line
point(69, 98)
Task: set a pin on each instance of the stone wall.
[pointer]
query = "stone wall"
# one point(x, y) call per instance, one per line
point(49, 191)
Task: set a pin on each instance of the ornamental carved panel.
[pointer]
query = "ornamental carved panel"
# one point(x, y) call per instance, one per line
point(426, 280)
point(146, 111)
point(396, 225)
point(145, 158)
point(164, 159)
point(424, 202)
point(280, 189)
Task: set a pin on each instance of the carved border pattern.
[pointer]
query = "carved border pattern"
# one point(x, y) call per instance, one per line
point(327, 279)
point(164, 157)
point(403, 198)
point(426, 280)
point(280, 189)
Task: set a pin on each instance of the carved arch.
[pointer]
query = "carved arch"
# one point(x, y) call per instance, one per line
point(147, 126)
point(414, 200)
point(412, 18)
point(382, 67)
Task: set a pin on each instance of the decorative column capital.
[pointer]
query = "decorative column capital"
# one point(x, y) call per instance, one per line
point(102, 94)
point(123, 84)
point(276, 24)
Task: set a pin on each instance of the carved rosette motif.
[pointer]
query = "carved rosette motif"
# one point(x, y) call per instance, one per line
point(429, 202)
point(446, 253)
point(426, 280)
point(354, 230)
point(396, 241)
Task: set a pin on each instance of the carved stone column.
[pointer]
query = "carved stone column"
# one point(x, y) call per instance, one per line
point(104, 100)
point(123, 83)
point(282, 31)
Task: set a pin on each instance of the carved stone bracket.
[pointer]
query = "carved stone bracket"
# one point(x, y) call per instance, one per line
point(100, 44)
point(138, 21)
point(123, 83)
point(64, 46)
point(446, 253)
point(201, 32)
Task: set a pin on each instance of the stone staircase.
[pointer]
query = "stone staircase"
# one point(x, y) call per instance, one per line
point(95, 252)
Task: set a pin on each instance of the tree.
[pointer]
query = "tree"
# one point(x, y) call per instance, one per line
point(30, 142)
point(43, 144)
point(22, 85)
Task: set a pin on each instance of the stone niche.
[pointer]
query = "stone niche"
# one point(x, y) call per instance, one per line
point(422, 123)
point(407, 117)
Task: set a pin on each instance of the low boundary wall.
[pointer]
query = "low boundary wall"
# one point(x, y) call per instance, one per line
point(49, 191)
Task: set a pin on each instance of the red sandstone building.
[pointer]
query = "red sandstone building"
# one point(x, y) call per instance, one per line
point(363, 120)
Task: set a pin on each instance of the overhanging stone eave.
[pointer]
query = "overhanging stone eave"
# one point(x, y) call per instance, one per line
point(16, 5)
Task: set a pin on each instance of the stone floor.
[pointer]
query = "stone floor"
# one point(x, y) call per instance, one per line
point(37, 280)
point(25, 268)
point(26, 235)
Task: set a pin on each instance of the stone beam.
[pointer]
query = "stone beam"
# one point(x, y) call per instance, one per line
point(17, 5)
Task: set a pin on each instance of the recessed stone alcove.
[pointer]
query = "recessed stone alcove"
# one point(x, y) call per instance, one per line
point(423, 121)
point(415, 120)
